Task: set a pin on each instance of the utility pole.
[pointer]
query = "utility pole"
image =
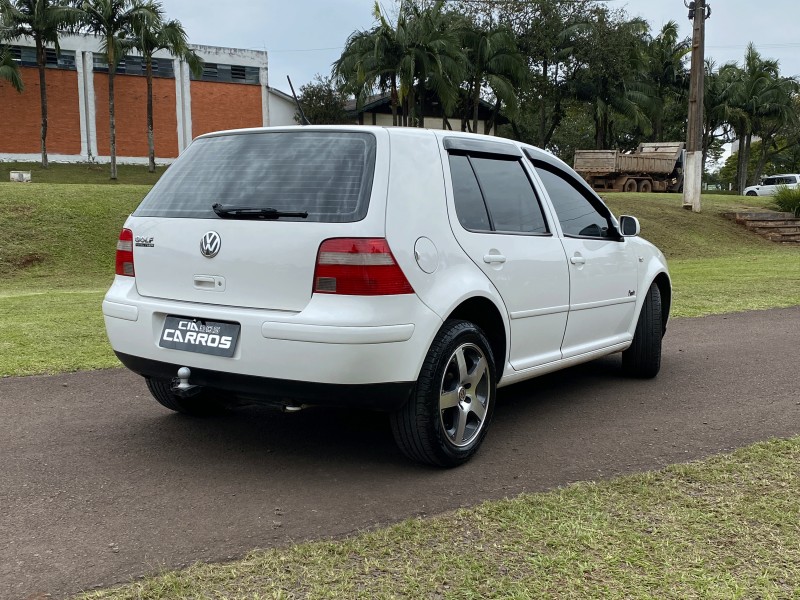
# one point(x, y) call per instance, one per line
point(693, 166)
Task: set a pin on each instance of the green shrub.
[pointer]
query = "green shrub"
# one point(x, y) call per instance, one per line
point(788, 200)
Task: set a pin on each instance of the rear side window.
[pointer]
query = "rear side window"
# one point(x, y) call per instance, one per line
point(494, 194)
point(327, 174)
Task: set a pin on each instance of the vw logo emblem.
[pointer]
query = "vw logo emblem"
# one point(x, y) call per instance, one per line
point(210, 244)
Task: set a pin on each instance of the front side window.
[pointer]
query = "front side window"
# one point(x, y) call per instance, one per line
point(576, 213)
point(495, 194)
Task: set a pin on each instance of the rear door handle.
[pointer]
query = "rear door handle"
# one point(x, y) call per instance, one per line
point(577, 260)
point(494, 258)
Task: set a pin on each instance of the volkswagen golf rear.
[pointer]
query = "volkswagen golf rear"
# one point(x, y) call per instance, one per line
point(402, 269)
point(259, 265)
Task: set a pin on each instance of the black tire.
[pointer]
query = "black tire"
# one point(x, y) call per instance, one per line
point(629, 186)
point(201, 405)
point(428, 433)
point(645, 186)
point(643, 358)
point(751, 194)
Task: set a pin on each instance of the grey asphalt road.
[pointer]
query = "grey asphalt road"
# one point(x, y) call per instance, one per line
point(99, 484)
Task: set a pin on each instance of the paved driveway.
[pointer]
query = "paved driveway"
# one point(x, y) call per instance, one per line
point(99, 484)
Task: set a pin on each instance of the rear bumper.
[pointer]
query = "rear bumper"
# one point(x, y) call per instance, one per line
point(266, 390)
point(333, 341)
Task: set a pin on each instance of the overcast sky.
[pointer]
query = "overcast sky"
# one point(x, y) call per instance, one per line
point(303, 37)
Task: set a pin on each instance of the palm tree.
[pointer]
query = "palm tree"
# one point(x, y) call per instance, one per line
point(41, 20)
point(666, 72)
point(420, 52)
point(432, 59)
point(494, 61)
point(112, 20)
point(149, 36)
point(717, 92)
point(9, 70)
point(758, 94)
point(370, 59)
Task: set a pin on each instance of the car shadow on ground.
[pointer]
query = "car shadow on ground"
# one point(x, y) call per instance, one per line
point(358, 437)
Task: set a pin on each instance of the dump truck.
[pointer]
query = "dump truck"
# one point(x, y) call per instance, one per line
point(653, 167)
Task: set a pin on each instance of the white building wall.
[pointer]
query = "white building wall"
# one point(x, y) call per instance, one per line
point(281, 110)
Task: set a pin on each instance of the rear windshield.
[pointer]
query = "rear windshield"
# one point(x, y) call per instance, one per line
point(328, 174)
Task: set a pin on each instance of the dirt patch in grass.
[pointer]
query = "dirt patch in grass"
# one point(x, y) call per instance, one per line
point(27, 260)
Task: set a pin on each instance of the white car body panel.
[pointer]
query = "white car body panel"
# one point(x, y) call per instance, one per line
point(602, 299)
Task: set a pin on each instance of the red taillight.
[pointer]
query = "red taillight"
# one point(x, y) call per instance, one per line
point(125, 254)
point(358, 267)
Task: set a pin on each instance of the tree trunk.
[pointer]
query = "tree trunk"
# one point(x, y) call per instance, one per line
point(394, 100)
point(542, 111)
point(740, 165)
point(600, 128)
point(476, 103)
point(762, 160)
point(558, 115)
point(41, 61)
point(487, 127)
point(748, 143)
point(411, 101)
point(112, 124)
point(421, 119)
point(151, 146)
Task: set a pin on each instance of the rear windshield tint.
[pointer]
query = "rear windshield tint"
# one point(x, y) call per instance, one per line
point(327, 174)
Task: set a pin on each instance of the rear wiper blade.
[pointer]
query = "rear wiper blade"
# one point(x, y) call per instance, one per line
point(246, 212)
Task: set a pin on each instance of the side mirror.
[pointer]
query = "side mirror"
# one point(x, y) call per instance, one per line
point(629, 226)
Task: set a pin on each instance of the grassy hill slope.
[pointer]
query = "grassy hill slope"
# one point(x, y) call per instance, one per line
point(57, 258)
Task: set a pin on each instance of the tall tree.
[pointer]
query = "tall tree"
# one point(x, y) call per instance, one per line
point(149, 35)
point(371, 59)
point(546, 32)
point(431, 60)
point(493, 61)
point(9, 71)
point(323, 103)
point(420, 52)
point(40, 20)
point(612, 78)
point(758, 94)
point(112, 20)
point(665, 71)
point(717, 92)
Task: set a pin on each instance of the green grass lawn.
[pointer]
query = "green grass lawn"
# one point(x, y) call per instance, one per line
point(716, 265)
point(723, 528)
point(84, 173)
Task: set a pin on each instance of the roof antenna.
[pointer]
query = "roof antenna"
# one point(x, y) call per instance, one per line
point(304, 121)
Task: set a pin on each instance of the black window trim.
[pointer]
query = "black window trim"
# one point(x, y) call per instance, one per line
point(482, 153)
point(589, 195)
point(468, 145)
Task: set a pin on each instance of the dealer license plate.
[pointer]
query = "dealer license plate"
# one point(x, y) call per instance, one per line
point(199, 335)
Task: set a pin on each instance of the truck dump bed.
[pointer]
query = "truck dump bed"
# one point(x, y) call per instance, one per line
point(652, 158)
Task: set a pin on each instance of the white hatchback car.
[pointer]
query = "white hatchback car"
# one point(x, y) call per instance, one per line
point(769, 186)
point(402, 269)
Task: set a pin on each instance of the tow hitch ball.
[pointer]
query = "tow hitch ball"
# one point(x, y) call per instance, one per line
point(181, 386)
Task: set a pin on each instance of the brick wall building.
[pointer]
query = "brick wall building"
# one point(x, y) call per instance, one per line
point(232, 92)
